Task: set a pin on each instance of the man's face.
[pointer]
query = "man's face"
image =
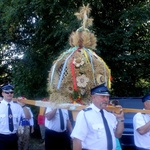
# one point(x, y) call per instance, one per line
point(100, 101)
point(8, 95)
point(147, 105)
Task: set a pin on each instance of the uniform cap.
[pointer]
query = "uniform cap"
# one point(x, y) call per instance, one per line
point(8, 88)
point(100, 90)
point(146, 98)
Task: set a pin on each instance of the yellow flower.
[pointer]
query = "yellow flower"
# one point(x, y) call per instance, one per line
point(82, 80)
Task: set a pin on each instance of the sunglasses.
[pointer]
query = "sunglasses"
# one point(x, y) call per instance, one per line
point(9, 92)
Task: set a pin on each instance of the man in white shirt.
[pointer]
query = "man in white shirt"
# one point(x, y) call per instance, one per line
point(141, 124)
point(56, 137)
point(10, 114)
point(90, 131)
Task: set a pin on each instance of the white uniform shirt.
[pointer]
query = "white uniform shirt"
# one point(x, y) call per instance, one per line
point(89, 128)
point(139, 120)
point(54, 123)
point(17, 112)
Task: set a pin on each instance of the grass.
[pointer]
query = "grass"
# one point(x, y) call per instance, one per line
point(35, 144)
point(35, 140)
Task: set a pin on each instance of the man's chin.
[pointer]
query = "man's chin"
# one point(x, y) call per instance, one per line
point(104, 105)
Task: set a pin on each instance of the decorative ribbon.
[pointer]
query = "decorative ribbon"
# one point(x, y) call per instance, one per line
point(86, 56)
point(73, 75)
point(105, 66)
point(91, 60)
point(63, 70)
point(54, 66)
point(73, 71)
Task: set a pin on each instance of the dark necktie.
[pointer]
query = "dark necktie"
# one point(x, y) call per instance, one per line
point(10, 119)
point(61, 120)
point(108, 134)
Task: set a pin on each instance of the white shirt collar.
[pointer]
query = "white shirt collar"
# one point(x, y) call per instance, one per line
point(5, 102)
point(95, 108)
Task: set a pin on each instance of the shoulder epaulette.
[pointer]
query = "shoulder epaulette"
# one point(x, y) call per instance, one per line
point(14, 102)
point(87, 109)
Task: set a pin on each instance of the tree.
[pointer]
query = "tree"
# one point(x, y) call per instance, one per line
point(126, 49)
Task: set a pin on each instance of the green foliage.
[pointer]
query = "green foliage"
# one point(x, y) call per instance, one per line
point(40, 30)
point(129, 51)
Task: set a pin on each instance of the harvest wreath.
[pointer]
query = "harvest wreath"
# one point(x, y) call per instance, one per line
point(78, 69)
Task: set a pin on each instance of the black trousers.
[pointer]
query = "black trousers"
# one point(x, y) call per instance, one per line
point(57, 140)
point(8, 142)
point(138, 148)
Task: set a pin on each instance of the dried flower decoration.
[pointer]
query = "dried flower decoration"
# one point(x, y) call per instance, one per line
point(78, 62)
point(82, 80)
point(82, 91)
point(100, 79)
point(83, 15)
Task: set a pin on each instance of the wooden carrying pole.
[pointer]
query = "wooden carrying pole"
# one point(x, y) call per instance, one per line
point(116, 110)
point(76, 108)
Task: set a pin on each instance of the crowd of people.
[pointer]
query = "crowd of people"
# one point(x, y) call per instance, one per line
point(94, 128)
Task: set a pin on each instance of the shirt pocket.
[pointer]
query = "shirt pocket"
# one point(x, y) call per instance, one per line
point(99, 130)
point(2, 119)
point(16, 119)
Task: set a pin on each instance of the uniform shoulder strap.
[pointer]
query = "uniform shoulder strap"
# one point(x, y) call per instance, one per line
point(87, 109)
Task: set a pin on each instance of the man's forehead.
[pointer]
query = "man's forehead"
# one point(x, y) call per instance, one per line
point(147, 101)
point(98, 95)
